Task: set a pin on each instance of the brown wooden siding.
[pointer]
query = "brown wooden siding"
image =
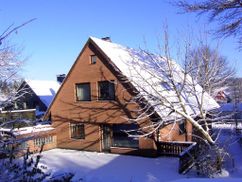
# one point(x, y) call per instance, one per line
point(171, 133)
point(94, 113)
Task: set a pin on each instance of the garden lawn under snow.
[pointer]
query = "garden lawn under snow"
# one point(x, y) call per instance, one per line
point(101, 167)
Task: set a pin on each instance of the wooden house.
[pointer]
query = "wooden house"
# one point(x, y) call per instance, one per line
point(36, 94)
point(90, 110)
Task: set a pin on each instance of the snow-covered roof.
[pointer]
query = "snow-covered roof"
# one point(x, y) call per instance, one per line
point(125, 60)
point(231, 107)
point(29, 130)
point(18, 111)
point(44, 89)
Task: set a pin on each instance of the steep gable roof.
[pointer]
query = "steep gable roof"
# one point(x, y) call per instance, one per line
point(125, 60)
point(44, 89)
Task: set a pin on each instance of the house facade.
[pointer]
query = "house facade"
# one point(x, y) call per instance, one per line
point(91, 108)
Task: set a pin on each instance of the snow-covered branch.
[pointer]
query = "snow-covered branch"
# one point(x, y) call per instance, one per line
point(169, 93)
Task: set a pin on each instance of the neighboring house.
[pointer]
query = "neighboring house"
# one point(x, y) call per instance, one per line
point(229, 92)
point(36, 94)
point(7, 112)
point(221, 97)
point(233, 109)
point(33, 99)
point(32, 137)
point(90, 110)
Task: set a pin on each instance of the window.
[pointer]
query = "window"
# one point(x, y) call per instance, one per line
point(77, 131)
point(22, 146)
point(93, 59)
point(120, 137)
point(106, 90)
point(182, 128)
point(83, 92)
point(45, 140)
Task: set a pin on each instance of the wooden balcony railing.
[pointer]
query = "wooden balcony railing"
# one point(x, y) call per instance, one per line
point(186, 151)
point(187, 158)
point(172, 148)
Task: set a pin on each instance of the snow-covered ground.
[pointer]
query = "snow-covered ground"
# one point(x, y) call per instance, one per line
point(101, 167)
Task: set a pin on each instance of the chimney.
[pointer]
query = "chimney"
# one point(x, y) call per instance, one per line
point(60, 77)
point(108, 39)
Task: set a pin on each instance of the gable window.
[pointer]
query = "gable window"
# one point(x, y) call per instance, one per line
point(93, 59)
point(106, 90)
point(182, 128)
point(83, 92)
point(77, 130)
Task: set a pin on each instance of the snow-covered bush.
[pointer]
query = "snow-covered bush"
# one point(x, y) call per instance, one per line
point(25, 168)
point(210, 160)
point(15, 168)
point(28, 169)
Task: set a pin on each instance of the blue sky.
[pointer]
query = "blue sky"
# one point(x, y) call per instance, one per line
point(54, 40)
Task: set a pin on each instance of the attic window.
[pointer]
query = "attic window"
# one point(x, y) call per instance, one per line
point(93, 59)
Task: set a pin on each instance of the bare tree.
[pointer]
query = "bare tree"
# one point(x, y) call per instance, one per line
point(11, 145)
point(169, 95)
point(208, 68)
point(227, 13)
point(12, 29)
point(10, 65)
point(164, 88)
point(234, 89)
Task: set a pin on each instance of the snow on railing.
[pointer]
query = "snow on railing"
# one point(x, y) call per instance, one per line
point(187, 158)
